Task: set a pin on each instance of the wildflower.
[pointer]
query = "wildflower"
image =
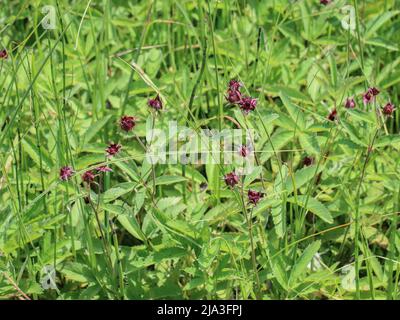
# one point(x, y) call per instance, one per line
point(234, 95)
point(350, 103)
point(3, 54)
point(248, 104)
point(113, 149)
point(104, 169)
point(369, 95)
point(254, 196)
point(155, 103)
point(231, 179)
point(127, 123)
point(332, 116)
point(388, 109)
point(374, 91)
point(66, 173)
point(308, 161)
point(88, 176)
point(325, 2)
point(234, 85)
point(244, 151)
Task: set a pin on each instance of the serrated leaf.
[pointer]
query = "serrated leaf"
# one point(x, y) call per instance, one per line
point(314, 206)
point(301, 264)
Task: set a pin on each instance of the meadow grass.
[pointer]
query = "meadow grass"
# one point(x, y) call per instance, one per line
point(84, 215)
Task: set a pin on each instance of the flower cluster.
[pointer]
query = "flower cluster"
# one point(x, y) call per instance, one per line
point(234, 96)
point(232, 179)
point(370, 94)
point(369, 97)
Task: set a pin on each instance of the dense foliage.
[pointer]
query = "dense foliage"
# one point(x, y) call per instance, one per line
point(83, 215)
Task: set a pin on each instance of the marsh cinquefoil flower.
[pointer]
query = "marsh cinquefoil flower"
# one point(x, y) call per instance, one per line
point(234, 85)
point(350, 103)
point(388, 109)
point(234, 95)
point(370, 94)
point(155, 103)
point(103, 169)
point(3, 54)
point(244, 151)
point(254, 196)
point(332, 116)
point(127, 123)
point(66, 173)
point(248, 104)
point(325, 2)
point(113, 149)
point(231, 179)
point(88, 176)
point(308, 161)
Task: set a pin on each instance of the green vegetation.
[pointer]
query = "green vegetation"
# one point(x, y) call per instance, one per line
point(321, 218)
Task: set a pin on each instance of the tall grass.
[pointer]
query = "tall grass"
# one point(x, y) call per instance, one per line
point(324, 230)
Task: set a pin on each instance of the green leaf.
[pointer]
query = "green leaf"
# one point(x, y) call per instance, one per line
point(362, 115)
point(127, 220)
point(294, 111)
point(34, 153)
point(118, 190)
point(165, 180)
point(301, 264)
point(389, 140)
point(314, 206)
point(94, 129)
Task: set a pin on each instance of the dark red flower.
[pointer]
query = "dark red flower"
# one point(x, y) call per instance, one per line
point(374, 91)
point(113, 149)
point(66, 173)
point(3, 54)
point(388, 109)
point(369, 95)
point(155, 103)
point(127, 123)
point(254, 196)
point(231, 179)
point(234, 96)
point(234, 85)
point(244, 151)
point(88, 176)
point(308, 161)
point(332, 116)
point(103, 169)
point(248, 104)
point(350, 103)
point(325, 2)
